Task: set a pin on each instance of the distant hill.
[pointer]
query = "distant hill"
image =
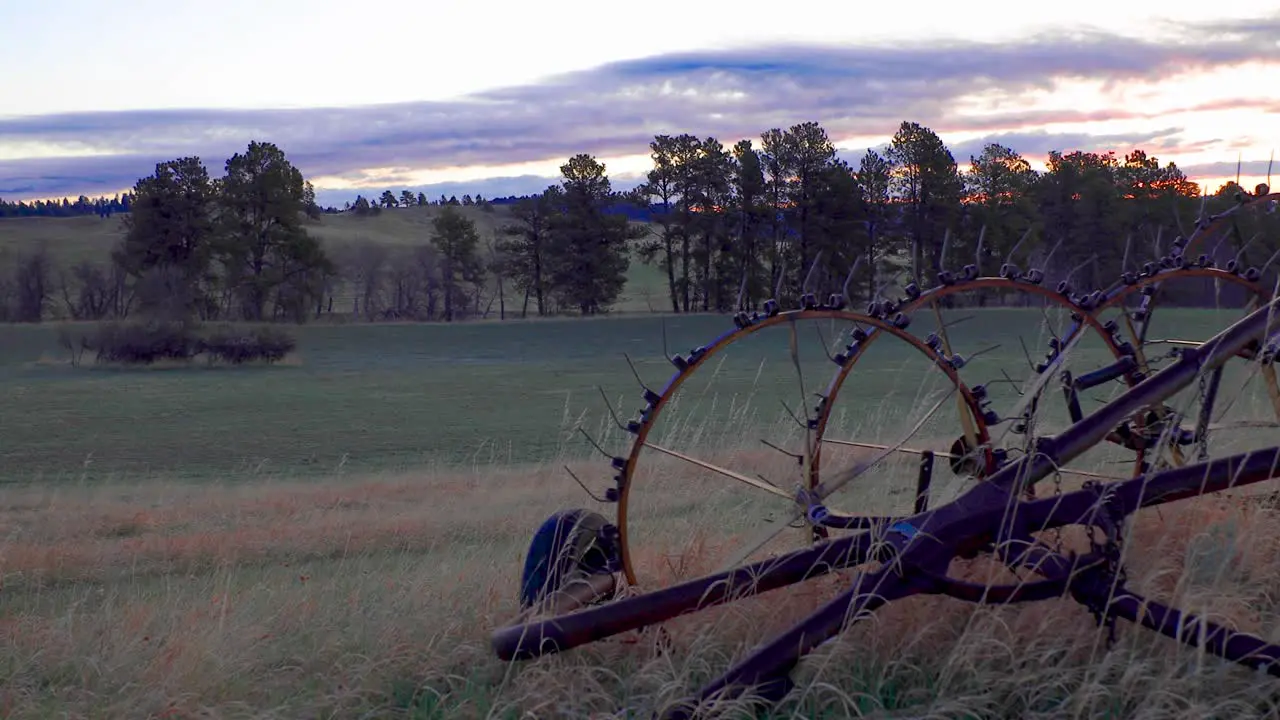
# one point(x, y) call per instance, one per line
point(68, 240)
point(633, 213)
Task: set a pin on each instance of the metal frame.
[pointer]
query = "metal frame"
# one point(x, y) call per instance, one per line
point(993, 517)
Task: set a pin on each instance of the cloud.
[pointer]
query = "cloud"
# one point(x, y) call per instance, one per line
point(1038, 143)
point(1248, 168)
point(616, 109)
point(39, 177)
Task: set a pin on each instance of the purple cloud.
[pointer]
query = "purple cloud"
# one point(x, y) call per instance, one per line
point(1034, 143)
point(617, 108)
point(1248, 168)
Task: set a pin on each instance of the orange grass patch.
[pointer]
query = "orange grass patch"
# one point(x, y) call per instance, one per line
point(82, 535)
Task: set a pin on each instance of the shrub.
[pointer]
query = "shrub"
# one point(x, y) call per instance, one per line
point(237, 346)
point(144, 343)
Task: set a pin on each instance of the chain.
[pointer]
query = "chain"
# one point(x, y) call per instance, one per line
point(1168, 355)
point(1113, 571)
point(1028, 441)
point(1116, 573)
point(1057, 491)
point(1202, 439)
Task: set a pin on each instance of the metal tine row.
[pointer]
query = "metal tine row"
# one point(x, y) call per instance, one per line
point(880, 307)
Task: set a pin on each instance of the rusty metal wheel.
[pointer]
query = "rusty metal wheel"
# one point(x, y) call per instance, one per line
point(686, 510)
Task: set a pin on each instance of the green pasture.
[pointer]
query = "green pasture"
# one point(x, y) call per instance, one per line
point(220, 591)
point(395, 396)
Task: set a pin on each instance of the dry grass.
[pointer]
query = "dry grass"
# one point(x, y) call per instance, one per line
point(285, 599)
point(349, 597)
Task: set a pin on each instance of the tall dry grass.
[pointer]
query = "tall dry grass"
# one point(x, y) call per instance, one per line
point(374, 597)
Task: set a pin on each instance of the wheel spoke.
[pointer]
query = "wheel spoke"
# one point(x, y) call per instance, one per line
point(966, 420)
point(1175, 341)
point(1243, 425)
point(753, 482)
point(807, 462)
point(952, 456)
point(1273, 390)
point(825, 490)
point(1138, 355)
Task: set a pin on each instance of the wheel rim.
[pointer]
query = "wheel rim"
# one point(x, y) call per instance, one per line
point(659, 401)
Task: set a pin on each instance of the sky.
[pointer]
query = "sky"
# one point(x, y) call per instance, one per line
point(451, 97)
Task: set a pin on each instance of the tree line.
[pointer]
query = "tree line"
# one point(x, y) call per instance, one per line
point(200, 249)
point(727, 227)
point(102, 207)
point(734, 226)
point(788, 214)
point(565, 249)
point(406, 198)
point(195, 248)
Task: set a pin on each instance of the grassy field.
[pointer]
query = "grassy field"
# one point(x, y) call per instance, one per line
point(336, 536)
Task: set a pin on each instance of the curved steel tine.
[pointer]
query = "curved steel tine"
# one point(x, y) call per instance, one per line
point(1177, 220)
point(1017, 386)
point(1267, 264)
point(1245, 247)
point(636, 373)
point(593, 442)
point(794, 456)
point(1254, 368)
point(612, 413)
point(1049, 257)
point(804, 286)
point(822, 339)
point(1214, 252)
point(1026, 353)
point(849, 278)
point(584, 487)
point(782, 273)
point(825, 489)
point(793, 415)
point(1017, 245)
point(1081, 266)
point(977, 254)
point(880, 290)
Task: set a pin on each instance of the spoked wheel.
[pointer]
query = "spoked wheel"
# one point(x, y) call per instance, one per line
point(1018, 394)
point(724, 466)
point(1240, 400)
point(1220, 264)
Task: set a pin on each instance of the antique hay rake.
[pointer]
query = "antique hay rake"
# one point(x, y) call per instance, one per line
point(577, 560)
